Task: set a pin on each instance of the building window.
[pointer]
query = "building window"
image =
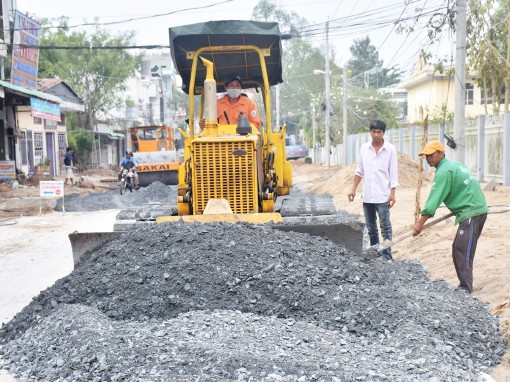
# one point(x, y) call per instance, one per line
point(37, 121)
point(38, 147)
point(62, 120)
point(470, 90)
point(50, 124)
point(486, 98)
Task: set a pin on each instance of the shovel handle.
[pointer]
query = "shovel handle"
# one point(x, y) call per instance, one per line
point(387, 244)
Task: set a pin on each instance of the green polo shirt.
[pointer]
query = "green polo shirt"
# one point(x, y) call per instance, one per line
point(458, 190)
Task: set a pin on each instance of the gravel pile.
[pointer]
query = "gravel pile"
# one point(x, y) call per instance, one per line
point(221, 302)
point(155, 193)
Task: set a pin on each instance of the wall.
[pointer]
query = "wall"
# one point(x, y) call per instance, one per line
point(26, 123)
point(485, 154)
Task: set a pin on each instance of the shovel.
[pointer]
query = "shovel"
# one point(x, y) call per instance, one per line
point(496, 209)
point(388, 243)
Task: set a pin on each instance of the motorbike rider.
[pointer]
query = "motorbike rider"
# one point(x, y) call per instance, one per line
point(129, 162)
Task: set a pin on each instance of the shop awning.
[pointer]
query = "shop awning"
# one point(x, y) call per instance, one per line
point(110, 135)
point(116, 136)
point(28, 92)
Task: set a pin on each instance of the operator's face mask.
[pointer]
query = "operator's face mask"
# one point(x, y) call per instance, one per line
point(234, 93)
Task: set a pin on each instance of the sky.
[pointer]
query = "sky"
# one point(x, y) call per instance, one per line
point(348, 20)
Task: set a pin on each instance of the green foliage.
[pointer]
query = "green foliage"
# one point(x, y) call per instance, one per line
point(98, 76)
point(440, 114)
point(487, 48)
point(365, 105)
point(366, 68)
point(303, 91)
point(81, 141)
point(300, 59)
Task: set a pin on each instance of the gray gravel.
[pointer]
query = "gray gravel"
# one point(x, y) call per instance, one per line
point(155, 193)
point(221, 302)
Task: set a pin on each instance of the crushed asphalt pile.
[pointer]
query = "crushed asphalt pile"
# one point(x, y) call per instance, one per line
point(156, 193)
point(221, 302)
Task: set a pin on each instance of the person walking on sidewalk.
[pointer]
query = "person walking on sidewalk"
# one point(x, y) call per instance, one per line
point(68, 164)
point(461, 193)
point(378, 166)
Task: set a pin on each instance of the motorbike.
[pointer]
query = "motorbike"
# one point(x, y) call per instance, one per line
point(127, 181)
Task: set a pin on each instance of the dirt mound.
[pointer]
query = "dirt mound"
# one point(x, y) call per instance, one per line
point(339, 181)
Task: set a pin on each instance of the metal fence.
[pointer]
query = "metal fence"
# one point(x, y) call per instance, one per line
point(487, 146)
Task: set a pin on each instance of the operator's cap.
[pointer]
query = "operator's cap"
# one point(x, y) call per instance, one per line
point(232, 77)
point(431, 148)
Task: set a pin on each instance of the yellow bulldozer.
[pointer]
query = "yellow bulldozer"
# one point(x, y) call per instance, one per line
point(236, 172)
point(230, 171)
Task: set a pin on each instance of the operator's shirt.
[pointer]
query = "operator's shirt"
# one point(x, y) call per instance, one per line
point(458, 190)
point(379, 172)
point(243, 104)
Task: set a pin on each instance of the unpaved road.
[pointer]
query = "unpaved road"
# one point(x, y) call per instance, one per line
point(37, 251)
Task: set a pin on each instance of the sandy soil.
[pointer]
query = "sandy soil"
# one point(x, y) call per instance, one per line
point(36, 250)
point(433, 245)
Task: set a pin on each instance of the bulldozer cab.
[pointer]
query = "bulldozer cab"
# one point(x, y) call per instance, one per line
point(250, 49)
point(152, 138)
point(155, 154)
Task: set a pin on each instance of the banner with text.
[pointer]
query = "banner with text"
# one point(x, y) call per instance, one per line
point(25, 60)
point(7, 169)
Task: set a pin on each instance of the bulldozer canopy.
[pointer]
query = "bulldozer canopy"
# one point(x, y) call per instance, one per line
point(244, 63)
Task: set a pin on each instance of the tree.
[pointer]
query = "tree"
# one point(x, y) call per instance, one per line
point(303, 90)
point(365, 105)
point(365, 62)
point(97, 75)
point(81, 141)
point(487, 48)
point(300, 59)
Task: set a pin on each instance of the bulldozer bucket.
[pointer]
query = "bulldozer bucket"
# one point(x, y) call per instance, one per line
point(84, 244)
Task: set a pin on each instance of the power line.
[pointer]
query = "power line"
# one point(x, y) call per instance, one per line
point(87, 47)
point(138, 18)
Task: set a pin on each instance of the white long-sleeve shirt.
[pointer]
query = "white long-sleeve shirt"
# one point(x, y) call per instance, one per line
point(379, 172)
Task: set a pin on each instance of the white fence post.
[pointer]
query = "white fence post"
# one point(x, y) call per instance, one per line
point(488, 138)
point(506, 149)
point(481, 147)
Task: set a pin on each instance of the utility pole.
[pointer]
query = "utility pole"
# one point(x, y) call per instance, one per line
point(344, 107)
point(328, 103)
point(459, 117)
point(314, 138)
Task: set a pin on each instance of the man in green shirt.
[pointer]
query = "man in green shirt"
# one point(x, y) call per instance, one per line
point(461, 193)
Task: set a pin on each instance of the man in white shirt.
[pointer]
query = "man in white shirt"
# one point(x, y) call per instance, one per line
point(379, 168)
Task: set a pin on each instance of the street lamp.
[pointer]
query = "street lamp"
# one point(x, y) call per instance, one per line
point(327, 75)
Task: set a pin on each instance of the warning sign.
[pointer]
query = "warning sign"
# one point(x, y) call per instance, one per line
point(51, 189)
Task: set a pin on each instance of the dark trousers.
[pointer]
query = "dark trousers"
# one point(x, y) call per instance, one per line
point(464, 248)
